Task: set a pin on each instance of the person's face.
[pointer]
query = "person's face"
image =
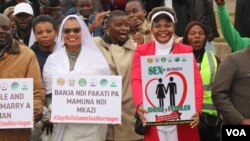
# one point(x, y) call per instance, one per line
point(23, 21)
point(85, 7)
point(72, 34)
point(136, 14)
point(45, 34)
point(5, 31)
point(118, 29)
point(196, 37)
point(163, 30)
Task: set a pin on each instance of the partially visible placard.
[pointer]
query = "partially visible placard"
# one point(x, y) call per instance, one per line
point(16, 103)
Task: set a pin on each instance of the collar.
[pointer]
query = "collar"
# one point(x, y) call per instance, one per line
point(12, 48)
point(75, 54)
point(199, 55)
point(89, 19)
point(169, 44)
point(106, 38)
point(107, 42)
point(36, 48)
point(19, 38)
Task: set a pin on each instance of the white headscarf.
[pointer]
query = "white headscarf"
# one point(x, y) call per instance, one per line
point(89, 61)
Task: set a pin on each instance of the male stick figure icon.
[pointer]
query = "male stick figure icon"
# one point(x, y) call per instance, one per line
point(160, 92)
point(172, 91)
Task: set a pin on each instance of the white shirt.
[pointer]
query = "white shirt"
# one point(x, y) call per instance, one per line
point(168, 132)
point(164, 49)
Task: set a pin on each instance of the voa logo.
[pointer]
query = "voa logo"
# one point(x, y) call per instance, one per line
point(236, 132)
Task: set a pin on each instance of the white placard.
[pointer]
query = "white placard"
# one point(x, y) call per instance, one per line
point(168, 88)
point(86, 99)
point(16, 103)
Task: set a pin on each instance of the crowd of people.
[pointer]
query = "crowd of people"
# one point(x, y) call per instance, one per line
point(40, 38)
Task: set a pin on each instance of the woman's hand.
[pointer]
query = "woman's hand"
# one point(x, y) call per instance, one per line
point(196, 120)
point(141, 112)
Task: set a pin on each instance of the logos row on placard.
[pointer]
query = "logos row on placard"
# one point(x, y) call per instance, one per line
point(166, 59)
point(14, 86)
point(86, 82)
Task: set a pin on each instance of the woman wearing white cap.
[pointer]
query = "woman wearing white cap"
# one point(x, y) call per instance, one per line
point(75, 53)
point(163, 28)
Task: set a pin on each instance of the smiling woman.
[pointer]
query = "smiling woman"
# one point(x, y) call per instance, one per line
point(75, 54)
point(163, 28)
point(72, 35)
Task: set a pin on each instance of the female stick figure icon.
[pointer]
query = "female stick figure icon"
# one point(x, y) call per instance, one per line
point(160, 92)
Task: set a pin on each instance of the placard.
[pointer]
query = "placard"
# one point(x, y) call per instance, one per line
point(168, 88)
point(86, 99)
point(16, 103)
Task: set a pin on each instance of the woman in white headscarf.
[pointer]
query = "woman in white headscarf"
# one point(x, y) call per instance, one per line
point(75, 53)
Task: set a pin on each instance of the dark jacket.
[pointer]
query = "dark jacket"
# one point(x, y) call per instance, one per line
point(40, 55)
point(230, 90)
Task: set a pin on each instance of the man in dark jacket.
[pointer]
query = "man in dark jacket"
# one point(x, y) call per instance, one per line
point(230, 90)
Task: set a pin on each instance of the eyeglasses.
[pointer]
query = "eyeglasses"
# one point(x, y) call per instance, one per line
point(74, 30)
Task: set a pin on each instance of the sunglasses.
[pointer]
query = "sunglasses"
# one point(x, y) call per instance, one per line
point(74, 30)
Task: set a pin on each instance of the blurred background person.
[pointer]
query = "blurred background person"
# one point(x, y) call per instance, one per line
point(196, 36)
point(10, 3)
point(52, 8)
point(23, 16)
point(9, 13)
point(66, 5)
point(139, 27)
point(44, 28)
point(85, 8)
